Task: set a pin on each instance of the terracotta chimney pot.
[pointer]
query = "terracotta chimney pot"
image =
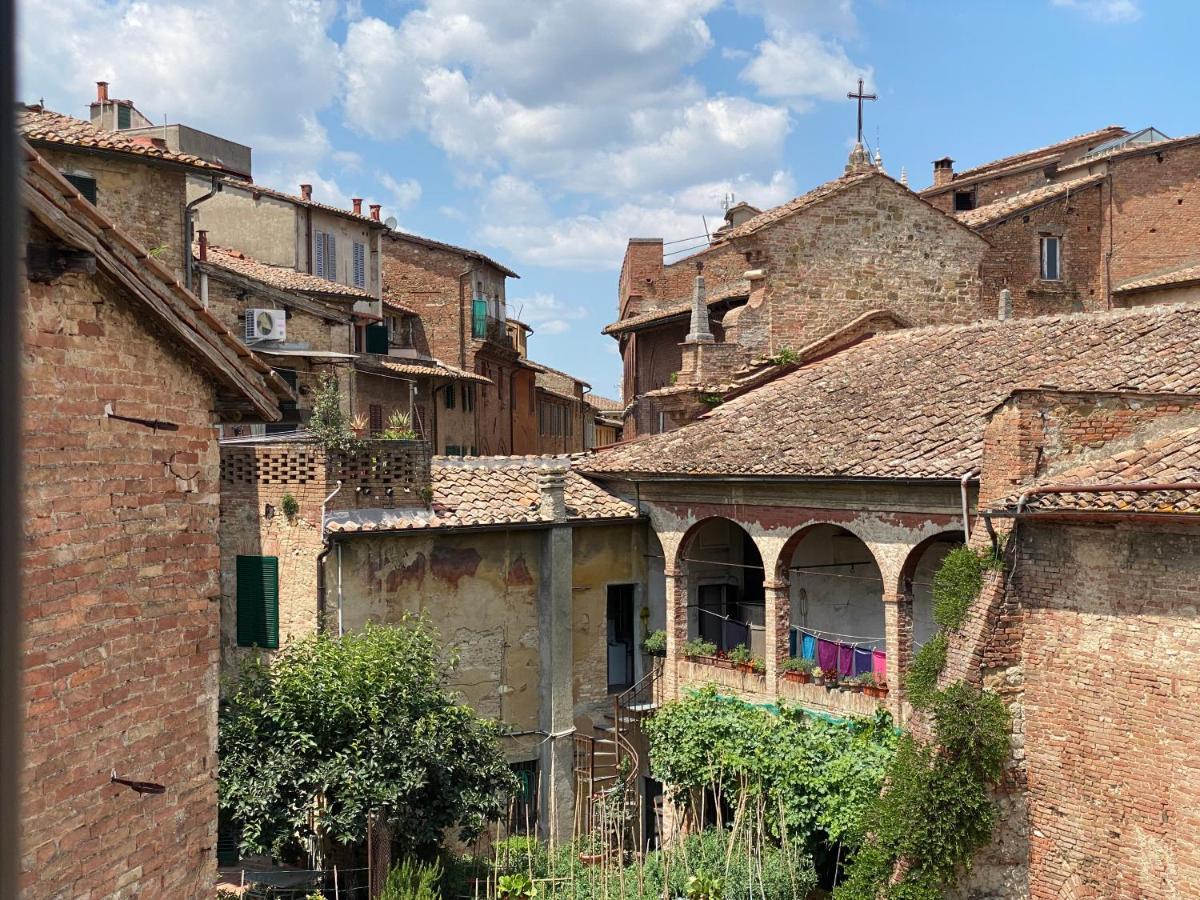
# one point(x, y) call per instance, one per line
point(375, 207)
point(357, 203)
point(101, 91)
point(306, 192)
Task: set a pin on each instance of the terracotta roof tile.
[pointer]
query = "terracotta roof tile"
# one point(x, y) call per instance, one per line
point(605, 404)
point(1153, 455)
point(432, 369)
point(39, 125)
point(282, 277)
point(300, 201)
point(813, 197)
point(479, 491)
point(991, 213)
point(1166, 278)
point(913, 403)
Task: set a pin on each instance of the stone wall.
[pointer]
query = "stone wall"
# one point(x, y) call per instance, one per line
point(143, 198)
point(120, 584)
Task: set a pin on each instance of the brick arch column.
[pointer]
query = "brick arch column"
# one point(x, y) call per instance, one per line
point(778, 623)
point(897, 624)
point(678, 623)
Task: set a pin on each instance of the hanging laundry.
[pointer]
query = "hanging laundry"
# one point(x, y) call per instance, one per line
point(792, 642)
point(808, 645)
point(845, 660)
point(827, 655)
point(879, 664)
point(862, 660)
point(737, 634)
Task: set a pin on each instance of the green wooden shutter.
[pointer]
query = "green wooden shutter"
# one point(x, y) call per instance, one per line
point(258, 601)
point(85, 185)
point(377, 339)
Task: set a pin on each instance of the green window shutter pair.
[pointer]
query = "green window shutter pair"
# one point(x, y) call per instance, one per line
point(479, 317)
point(258, 602)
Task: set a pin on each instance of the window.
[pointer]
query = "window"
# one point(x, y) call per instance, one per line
point(449, 396)
point(468, 393)
point(553, 420)
point(325, 255)
point(376, 411)
point(525, 799)
point(358, 339)
point(124, 117)
point(400, 331)
point(1051, 258)
point(621, 642)
point(377, 339)
point(360, 264)
point(85, 184)
point(964, 200)
point(258, 602)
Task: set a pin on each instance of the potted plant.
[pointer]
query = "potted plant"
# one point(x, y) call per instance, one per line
point(655, 643)
point(818, 675)
point(741, 658)
point(359, 425)
point(867, 682)
point(698, 648)
point(797, 669)
point(758, 666)
point(832, 679)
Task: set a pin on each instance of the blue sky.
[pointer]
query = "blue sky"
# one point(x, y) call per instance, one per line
point(547, 133)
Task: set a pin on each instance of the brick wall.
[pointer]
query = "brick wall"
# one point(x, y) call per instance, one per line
point(1156, 210)
point(145, 199)
point(1109, 707)
point(1014, 259)
point(121, 575)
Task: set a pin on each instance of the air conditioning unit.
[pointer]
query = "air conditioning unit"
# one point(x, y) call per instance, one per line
point(266, 325)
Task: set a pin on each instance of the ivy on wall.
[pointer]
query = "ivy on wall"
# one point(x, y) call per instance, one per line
point(936, 811)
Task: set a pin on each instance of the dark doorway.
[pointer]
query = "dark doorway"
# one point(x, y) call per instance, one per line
point(620, 637)
point(652, 828)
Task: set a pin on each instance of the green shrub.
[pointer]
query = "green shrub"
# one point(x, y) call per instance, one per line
point(290, 506)
point(956, 586)
point(784, 356)
point(797, 664)
point(413, 880)
point(740, 655)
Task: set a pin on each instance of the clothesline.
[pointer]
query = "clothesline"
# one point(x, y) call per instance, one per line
point(855, 638)
point(723, 618)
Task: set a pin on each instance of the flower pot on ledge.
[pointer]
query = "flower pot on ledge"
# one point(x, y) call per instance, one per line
point(798, 677)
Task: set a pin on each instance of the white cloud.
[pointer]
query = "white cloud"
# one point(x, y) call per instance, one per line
point(1109, 12)
point(404, 192)
point(802, 67)
point(545, 313)
point(218, 66)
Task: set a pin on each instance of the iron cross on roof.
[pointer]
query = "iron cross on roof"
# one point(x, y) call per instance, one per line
point(860, 97)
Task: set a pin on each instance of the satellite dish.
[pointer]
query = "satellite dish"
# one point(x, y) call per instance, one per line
point(391, 222)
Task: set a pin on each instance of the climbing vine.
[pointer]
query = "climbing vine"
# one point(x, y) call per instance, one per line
point(936, 811)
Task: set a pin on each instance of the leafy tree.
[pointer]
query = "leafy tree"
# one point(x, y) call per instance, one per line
point(337, 728)
point(328, 422)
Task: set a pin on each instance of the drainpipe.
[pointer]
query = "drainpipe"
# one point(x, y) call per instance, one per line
point(339, 570)
point(203, 275)
point(462, 321)
point(325, 548)
point(216, 187)
point(967, 476)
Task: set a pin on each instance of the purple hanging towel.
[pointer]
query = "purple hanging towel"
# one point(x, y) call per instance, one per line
point(879, 664)
point(845, 660)
point(827, 654)
point(862, 660)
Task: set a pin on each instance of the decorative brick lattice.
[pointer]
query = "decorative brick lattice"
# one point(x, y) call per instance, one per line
point(276, 465)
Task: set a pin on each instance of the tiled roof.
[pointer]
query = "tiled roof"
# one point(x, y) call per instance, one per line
point(433, 369)
point(281, 277)
point(1151, 456)
point(40, 125)
point(990, 213)
point(1133, 149)
point(461, 251)
point(1167, 278)
point(913, 403)
point(300, 201)
point(719, 294)
point(492, 491)
point(605, 404)
point(52, 200)
point(1049, 152)
point(813, 197)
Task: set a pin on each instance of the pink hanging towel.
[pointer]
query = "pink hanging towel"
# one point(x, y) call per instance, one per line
point(879, 664)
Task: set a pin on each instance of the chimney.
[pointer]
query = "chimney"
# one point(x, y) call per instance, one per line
point(203, 244)
point(1006, 307)
point(943, 171)
point(356, 202)
point(375, 207)
point(699, 333)
point(552, 485)
point(306, 192)
point(101, 91)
